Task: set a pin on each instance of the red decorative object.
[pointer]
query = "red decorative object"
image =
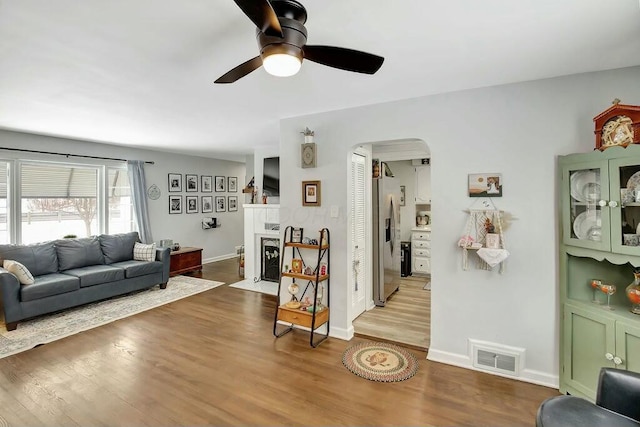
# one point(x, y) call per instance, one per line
point(618, 125)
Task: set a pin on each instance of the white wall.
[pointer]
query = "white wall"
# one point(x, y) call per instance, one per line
point(517, 130)
point(184, 228)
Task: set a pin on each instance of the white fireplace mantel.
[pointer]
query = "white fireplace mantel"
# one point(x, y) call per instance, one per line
point(259, 221)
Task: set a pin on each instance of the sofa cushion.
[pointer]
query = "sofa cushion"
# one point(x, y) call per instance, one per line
point(20, 271)
point(139, 268)
point(96, 274)
point(142, 252)
point(48, 285)
point(39, 259)
point(118, 247)
point(75, 253)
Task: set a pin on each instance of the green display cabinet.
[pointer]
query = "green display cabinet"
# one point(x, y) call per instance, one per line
point(599, 219)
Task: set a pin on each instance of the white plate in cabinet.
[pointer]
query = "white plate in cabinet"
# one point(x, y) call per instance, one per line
point(421, 265)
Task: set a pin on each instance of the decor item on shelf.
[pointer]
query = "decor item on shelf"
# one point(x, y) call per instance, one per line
point(248, 189)
point(293, 290)
point(282, 39)
point(608, 289)
point(296, 235)
point(492, 240)
point(618, 125)
point(595, 286)
point(308, 135)
point(209, 223)
point(633, 291)
point(296, 265)
point(485, 185)
point(308, 150)
point(308, 271)
point(311, 193)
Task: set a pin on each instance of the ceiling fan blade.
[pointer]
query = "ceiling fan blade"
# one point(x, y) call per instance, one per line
point(262, 14)
point(344, 59)
point(241, 70)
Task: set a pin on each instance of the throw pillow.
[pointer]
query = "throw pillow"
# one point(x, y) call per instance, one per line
point(142, 252)
point(20, 271)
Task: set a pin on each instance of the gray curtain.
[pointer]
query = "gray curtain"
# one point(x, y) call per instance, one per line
point(139, 196)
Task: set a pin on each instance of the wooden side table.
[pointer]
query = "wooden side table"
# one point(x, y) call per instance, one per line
point(185, 259)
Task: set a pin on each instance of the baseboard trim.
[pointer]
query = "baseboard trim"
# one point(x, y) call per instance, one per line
point(220, 258)
point(463, 361)
point(342, 333)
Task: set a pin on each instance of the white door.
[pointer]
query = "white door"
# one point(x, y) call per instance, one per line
point(358, 230)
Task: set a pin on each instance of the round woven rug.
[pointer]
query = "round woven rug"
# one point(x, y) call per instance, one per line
point(379, 361)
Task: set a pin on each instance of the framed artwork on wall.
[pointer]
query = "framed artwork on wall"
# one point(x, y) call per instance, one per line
point(232, 184)
point(175, 183)
point(192, 204)
point(232, 203)
point(485, 185)
point(207, 204)
point(220, 184)
point(175, 204)
point(206, 185)
point(403, 195)
point(310, 193)
point(192, 183)
point(221, 204)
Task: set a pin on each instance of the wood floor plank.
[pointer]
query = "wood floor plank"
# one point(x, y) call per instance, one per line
point(211, 359)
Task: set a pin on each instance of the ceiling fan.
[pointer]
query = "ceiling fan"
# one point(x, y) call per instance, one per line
point(282, 39)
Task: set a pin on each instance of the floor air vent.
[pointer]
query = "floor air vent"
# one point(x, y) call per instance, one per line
point(496, 358)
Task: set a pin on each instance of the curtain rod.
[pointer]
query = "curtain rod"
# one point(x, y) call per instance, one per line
point(68, 155)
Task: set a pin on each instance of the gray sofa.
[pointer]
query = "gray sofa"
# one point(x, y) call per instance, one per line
point(72, 272)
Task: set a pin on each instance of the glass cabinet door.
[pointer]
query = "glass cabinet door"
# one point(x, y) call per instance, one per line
point(586, 193)
point(625, 215)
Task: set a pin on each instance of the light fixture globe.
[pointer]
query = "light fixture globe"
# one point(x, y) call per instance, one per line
point(281, 64)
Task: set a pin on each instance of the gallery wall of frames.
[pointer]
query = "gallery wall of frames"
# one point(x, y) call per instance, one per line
point(196, 198)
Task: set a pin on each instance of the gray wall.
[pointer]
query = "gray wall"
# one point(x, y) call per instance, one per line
point(517, 130)
point(183, 228)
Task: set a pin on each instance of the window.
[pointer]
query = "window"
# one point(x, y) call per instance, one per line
point(58, 201)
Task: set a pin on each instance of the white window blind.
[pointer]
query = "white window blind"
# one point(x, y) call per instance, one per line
point(54, 181)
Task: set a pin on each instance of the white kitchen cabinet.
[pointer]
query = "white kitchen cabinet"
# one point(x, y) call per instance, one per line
point(423, 184)
point(421, 251)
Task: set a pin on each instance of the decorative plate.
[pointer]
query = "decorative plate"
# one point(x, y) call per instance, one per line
point(153, 192)
point(587, 226)
point(634, 181)
point(583, 183)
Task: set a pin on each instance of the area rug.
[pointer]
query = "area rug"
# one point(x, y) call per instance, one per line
point(45, 329)
point(379, 361)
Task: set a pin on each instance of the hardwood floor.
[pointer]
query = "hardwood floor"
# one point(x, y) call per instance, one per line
point(405, 318)
point(211, 359)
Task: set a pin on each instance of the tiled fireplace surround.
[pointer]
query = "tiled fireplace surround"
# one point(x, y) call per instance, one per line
point(259, 222)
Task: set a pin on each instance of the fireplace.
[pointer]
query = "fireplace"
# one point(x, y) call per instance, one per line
point(269, 259)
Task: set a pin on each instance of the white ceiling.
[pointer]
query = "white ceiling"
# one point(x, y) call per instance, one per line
point(141, 72)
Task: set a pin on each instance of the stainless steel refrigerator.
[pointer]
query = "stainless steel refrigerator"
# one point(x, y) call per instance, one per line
point(386, 237)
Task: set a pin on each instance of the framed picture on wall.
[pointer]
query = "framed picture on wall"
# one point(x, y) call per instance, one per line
point(485, 185)
point(232, 203)
point(207, 204)
point(232, 184)
point(310, 193)
point(403, 191)
point(175, 183)
point(175, 204)
point(221, 205)
point(192, 204)
point(220, 184)
point(192, 183)
point(206, 185)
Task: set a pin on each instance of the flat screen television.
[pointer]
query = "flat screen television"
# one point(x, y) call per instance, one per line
point(271, 176)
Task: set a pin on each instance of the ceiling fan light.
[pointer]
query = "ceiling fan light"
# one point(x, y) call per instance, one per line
point(281, 64)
